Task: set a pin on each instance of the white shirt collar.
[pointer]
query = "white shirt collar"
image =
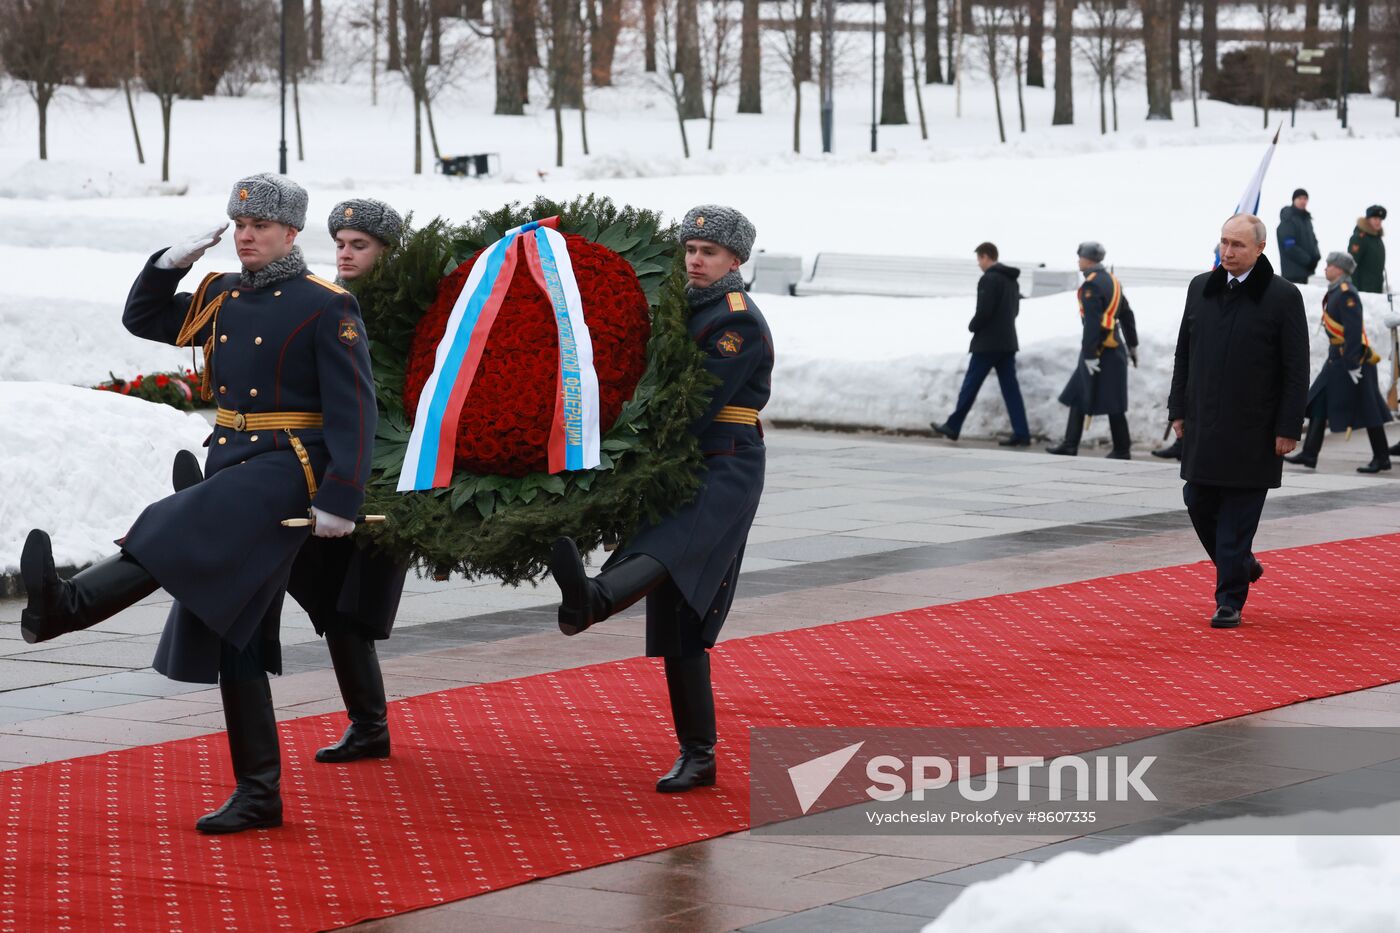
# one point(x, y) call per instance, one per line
point(1239, 278)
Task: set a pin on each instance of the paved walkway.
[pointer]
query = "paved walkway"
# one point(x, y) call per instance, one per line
point(850, 526)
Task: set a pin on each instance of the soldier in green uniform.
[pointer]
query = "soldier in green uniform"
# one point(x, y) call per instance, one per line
point(687, 565)
point(1367, 247)
point(1346, 393)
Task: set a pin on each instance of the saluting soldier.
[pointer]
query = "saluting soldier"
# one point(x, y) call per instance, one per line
point(1346, 394)
point(687, 565)
point(287, 363)
point(1099, 384)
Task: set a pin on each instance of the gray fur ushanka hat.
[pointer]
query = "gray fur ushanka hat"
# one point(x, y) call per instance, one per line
point(1092, 250)
point(367, 215)
point(719, 224)
point(1342, 261)
point(266, 196)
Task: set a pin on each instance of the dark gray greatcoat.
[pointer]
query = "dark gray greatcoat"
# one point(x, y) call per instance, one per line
point(1241, 377)
point(1101, 305)
point(1348, 404)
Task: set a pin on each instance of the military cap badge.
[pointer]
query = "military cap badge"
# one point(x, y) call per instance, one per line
point(242, 194)
point(349, 212)
point(700, 221)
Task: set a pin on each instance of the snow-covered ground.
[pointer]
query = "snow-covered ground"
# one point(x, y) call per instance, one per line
point(1253, 882)
point(74, 230)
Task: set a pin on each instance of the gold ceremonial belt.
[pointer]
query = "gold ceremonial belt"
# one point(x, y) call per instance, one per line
point(733, 414)
point(268, 421)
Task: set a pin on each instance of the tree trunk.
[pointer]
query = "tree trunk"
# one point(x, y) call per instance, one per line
point(1113, 91)
point(510, 89)
point(317, 46)
point(914, 71)
point(167, 103)
point(649, 24)
point(395, 61)
point(892, 112)
point(933, 62)
point(1064, 76)
point(583, 123)
point(951, 37)
point(797, 117)
point(1156, 44)
point(417, 134)
point(432, 129)
point(688, 61)
point(1310, 17)
point(714, 97)
point(996, 94)
point(527, 34)
point(750, 61)
point(42, 100)
point(296, 112)
point(434, 34)
point(558, 131)
point(1361, 49)
point(1035, 49)
point(1176, 44)
point(1210, 36)
point(602, 46)
point(802, 53)
point(135, 130)
point(1020, 77)
point(1103, 104)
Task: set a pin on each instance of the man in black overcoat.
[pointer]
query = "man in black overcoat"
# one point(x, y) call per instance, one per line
point(993, 346)
point(1238, 392)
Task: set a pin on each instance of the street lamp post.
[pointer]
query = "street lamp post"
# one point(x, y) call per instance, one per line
point(1346, 63)
point(282, 150)
point(874, 14)
point(827, 72)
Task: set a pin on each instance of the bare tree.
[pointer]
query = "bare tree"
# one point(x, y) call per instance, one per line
point(415, 15)
point(717, 34)
point(993, 28)
point(561, 30)
point(1020, 17)
point(317, 45)
point(1388, 50)
point(1192, 10)
point(668, 75)
point(165, 60)
point(914, 70)
point(1156, 44)
point(1360, 70)
point(933, 63)
point(1270, 12)
point(395, 60)
point(604, 27)
point(1102, 47)
point(788, 14)
point(1035, 46)
point(1064, 67)
point(688, 63)
point(750, 60)
point(892, 111)
point(1210, 38)
point(512, 69)
point(36, 46)
point(649, 34)
point(804, 40)
point(1311, 9)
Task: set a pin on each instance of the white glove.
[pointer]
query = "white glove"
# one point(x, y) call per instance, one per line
point(1392, 320)
point(1355, 375)
point(187, 254)
point(1092, 366)
point(326, 525)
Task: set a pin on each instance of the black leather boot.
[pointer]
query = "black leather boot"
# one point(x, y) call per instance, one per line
point(1122, 440)
point(257, 760)
point(588, 601)
point(362, 687)
point(1172, 452)
point(1312, 444)
point(693, 709)
point(89, 596)
point(1074, 430)
point(1380, 456)
point(185, 471)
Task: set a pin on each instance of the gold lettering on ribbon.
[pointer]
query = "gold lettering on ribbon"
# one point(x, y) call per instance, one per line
point(568, 352)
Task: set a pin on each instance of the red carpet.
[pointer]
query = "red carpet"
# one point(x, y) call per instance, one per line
point(497, 784)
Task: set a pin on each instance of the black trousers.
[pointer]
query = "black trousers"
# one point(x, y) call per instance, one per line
point(1226, 519)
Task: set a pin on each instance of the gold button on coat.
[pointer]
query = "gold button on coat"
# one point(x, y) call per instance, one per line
point(257, 341)
point(223, 440)
point(223, 338)
point(223, 390)
point(253, 393)
point(252, 437)
point(234, 293)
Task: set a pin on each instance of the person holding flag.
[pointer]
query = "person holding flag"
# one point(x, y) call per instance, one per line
point(1347, 392)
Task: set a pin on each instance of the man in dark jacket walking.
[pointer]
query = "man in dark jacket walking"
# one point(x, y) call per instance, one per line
point(1297, 244)
point(993, 346)
point(1238, 392)
point(1368, 249)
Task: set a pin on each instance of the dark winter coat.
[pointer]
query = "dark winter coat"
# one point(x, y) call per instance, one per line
point(1297, 245)
point(1348, 404)
point(1101, 304)
point(346, 587)
point(998, 302)
point(702, 544)
point(1368, 249)
point(218, 547)
point(1241, 377)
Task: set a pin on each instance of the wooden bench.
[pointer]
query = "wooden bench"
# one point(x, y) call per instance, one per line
point(900, 276)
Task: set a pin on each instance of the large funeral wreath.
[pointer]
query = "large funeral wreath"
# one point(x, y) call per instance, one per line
point(503, 508)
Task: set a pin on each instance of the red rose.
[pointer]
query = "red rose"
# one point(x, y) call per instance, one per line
point(162, 381)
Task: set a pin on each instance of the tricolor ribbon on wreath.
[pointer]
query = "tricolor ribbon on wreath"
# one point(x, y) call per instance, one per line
point(574, 436)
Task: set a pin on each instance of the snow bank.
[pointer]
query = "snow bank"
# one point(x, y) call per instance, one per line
point(77, 181)
point(897, 363)
point(1167, 884)
point(82, 464)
